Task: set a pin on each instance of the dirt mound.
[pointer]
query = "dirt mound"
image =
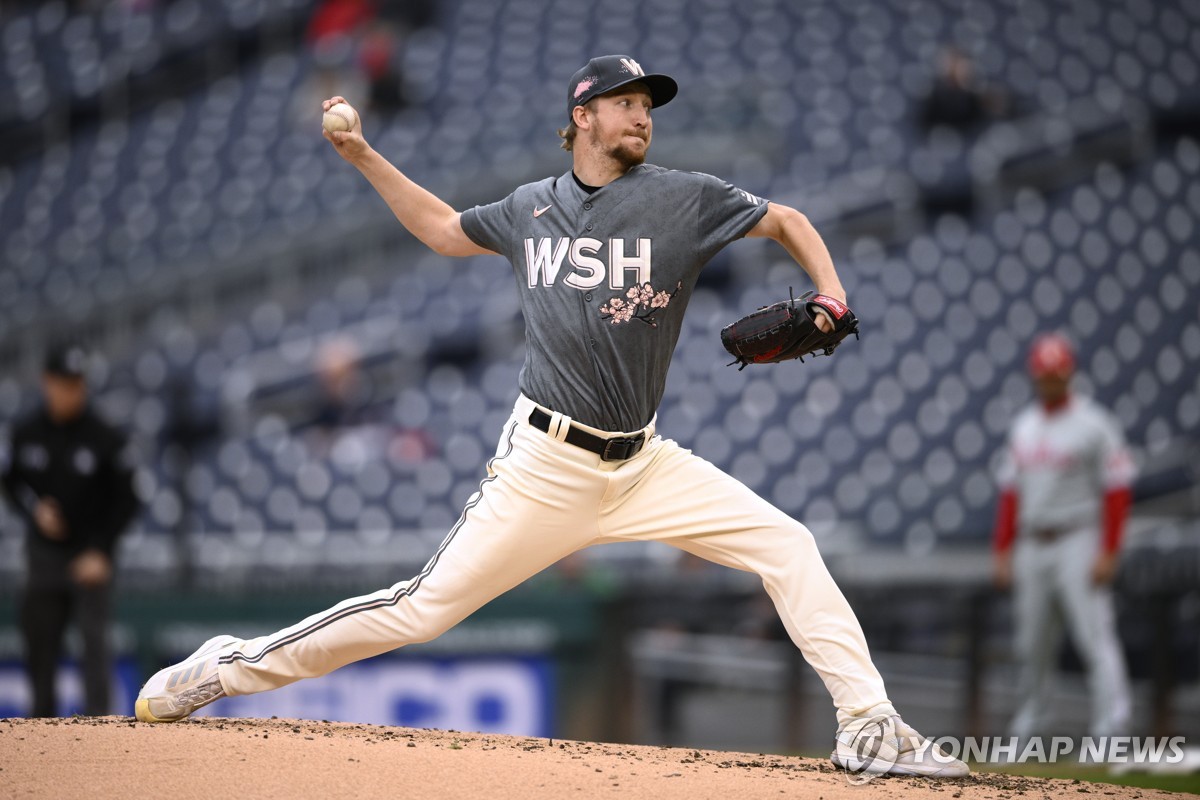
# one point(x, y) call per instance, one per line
point(116, 757)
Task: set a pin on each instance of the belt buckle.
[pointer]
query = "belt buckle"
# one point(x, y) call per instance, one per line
point(630, 447)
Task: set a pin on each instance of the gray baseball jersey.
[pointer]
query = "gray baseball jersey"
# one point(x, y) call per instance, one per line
point(604, 279)
point(1061, 464)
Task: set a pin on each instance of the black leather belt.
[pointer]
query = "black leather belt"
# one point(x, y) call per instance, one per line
point(618, 448)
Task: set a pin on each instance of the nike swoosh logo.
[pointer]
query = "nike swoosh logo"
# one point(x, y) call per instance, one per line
point(537, 212)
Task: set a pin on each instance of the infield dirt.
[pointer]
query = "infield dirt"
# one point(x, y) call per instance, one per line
point(116, 757)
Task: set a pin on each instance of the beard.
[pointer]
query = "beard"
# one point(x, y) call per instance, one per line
point(623, 152)
point(627, 156)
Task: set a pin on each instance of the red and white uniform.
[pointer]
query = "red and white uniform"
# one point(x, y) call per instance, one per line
point(1064, 483)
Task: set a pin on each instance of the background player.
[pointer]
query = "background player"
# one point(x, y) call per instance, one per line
point(1064, 499)
point(605, 257)
point(70, 479)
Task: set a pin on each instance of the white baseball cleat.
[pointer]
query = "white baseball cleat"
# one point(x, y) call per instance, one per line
point(885, 744)
point(175, 692)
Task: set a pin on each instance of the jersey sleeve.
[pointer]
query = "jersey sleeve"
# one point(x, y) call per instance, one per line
point(1006, 467)
point(1007, 500)
point(1116, 474)
point(1005, 532)
point(20, 496)
point(8, 469)
point(1115, 460)
point(726, 213)
point(490, 226)
point(116, 481)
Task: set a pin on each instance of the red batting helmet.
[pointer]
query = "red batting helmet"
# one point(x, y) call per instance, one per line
point(1051, 354)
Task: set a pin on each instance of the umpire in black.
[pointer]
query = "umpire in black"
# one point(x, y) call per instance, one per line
point(70, 477)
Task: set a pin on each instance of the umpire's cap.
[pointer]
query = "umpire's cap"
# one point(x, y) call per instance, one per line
point(605, 73)
point(68, 360)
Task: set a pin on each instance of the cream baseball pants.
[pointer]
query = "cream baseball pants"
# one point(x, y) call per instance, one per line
point(1052, 583)
point(543, 499)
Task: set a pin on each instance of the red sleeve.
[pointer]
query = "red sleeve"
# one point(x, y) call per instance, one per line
point(1116, 511)
point(1006, 521)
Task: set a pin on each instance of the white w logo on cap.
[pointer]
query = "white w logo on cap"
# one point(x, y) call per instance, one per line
point(632, 66)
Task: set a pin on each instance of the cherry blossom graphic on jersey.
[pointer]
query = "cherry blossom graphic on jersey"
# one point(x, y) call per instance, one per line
point(640, 303)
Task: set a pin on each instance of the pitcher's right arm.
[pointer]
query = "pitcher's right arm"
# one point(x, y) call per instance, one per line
point(424, 214)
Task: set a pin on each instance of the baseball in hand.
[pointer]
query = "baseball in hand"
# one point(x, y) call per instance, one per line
point(339, 117)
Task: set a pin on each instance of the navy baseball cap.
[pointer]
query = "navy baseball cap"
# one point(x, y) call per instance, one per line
point(67, 361)
point(605, 73)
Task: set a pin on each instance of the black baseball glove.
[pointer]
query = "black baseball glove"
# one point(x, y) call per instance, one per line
point(787, 330)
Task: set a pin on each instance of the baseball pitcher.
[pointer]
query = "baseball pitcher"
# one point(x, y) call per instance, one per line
point(1064, 498)
point(605, 257)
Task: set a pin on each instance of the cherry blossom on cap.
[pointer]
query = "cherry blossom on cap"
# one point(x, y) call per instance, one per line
point(1051, 354)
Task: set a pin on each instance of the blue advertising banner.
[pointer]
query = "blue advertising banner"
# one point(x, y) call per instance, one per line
point(15, 700)
point(491, 694)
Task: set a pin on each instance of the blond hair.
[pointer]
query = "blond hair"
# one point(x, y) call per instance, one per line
point(568, 135)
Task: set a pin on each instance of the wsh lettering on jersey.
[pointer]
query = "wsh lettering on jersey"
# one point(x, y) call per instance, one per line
point(587, 264)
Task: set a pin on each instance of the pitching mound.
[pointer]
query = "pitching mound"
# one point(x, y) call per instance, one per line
point(116, 757)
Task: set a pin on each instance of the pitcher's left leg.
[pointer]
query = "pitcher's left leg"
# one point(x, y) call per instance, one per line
point(687, 502)
point(681, 499)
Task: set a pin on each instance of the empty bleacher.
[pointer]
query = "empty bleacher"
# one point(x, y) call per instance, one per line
point(893, 440)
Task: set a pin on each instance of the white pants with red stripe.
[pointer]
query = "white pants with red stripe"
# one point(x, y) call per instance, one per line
point(543, 499)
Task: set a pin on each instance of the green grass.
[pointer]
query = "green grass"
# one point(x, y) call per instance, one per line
point(1084, 772)
point(1188, 784)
